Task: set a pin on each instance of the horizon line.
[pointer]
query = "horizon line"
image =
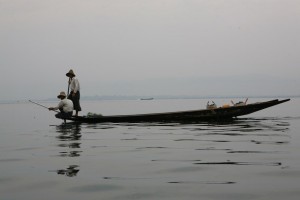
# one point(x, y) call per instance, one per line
point(138, 97)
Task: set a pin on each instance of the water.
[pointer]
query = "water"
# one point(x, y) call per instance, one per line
point(255, 157)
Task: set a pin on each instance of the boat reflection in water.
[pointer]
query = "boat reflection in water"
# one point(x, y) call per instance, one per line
point(70, 135)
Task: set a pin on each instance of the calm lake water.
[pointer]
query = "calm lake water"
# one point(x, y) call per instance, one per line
point(254, 157)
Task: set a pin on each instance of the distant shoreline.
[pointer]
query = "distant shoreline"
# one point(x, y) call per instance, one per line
point(158, 97)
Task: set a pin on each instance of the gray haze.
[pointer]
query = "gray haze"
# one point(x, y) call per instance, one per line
point(149, 47)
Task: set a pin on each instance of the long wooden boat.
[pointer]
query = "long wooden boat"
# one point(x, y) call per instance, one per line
point(216, 114)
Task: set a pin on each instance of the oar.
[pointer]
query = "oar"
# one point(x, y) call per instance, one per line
point(40, 105)
point(69, 86)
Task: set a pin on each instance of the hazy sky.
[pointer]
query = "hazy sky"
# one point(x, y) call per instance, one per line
point(120, 47)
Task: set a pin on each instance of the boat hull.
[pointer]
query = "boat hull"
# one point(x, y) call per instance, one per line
point(217, 114)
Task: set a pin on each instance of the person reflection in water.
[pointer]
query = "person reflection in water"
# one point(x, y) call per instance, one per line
point(69, 140)
point(70, 171)
point(65, 106)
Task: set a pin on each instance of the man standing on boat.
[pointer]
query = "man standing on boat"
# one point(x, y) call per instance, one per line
point(65, 106)
point(75, 91)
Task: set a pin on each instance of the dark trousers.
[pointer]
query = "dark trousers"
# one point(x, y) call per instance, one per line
point(63, 115)
point(75, 99)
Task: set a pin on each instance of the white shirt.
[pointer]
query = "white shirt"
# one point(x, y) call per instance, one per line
point(66, 105)
point(74, 85)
